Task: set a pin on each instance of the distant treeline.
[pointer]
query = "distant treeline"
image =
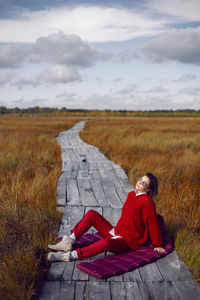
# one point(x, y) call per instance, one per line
point(94, 112)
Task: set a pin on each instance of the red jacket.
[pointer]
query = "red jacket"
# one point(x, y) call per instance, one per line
point(138, 221)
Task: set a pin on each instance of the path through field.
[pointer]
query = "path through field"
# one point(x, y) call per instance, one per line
point(90, 180)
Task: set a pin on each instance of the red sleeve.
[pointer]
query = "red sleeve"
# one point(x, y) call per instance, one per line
point(151, 221)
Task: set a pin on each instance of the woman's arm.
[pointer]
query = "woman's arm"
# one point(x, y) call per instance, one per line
point(151, 221)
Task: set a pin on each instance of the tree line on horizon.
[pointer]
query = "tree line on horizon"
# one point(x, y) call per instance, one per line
point(97, 112)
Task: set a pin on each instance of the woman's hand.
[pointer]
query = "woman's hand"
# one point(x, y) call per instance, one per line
point(159, 249)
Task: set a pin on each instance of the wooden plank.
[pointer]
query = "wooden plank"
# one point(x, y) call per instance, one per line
point(126, 186)
point(56, 270)
point(61, 200)
point(73, 154)
point(84, 165)
point(86, 194)
point(187, 290)
point(173, 269)
point(91, 158)
point(97, 290)
point(68, 271)
point(99, 193)
point(61, 187)
point(74, 172)
point(65, 156)
point(112, 214)
point(118, 278)
point(50, 290)
point(126, 290)
point(61, 193)
point(93, 166)
point(72, 215)
point(161, 290)
point(95, 175)
point(120, 172)
point(67, 290)
point(111, 173)
point(67, 169)
point(132, 276)
point(102, 170)
point(73, 197)
point(80, 290)
point(65, 174)
point(150, 272)
point(111, 194)
point(110, 170)
point(120, 192)
point(55, 290)
point(83, 174)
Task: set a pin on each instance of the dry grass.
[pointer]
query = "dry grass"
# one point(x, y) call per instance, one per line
point(30, 164)
point(170, 148)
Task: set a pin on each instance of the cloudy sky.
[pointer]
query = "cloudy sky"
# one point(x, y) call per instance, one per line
point(111, 54)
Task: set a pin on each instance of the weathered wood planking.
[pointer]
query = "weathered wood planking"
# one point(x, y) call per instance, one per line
point(90, 181)
point(99, 192)
point(73, 197)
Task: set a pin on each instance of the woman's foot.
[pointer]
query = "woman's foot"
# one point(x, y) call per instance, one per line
point(58, 256)
point(64, 245)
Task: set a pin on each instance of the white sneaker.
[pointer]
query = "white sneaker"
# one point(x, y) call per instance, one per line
point(64, 245)
point(58, 256)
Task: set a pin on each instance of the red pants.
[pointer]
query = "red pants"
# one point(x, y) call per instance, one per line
point(107, 243)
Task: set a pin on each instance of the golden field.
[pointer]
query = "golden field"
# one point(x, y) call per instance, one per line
point(169, 148)
point(30, 165)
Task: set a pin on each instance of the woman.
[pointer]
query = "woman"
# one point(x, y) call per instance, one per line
point(138, 221)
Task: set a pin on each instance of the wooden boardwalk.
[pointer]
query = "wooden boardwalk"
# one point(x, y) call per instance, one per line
point(90, 180)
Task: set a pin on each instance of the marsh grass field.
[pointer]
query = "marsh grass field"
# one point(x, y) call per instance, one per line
point(30, 165)
point(169, 148)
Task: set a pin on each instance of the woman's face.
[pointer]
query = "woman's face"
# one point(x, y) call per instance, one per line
point(142, 184)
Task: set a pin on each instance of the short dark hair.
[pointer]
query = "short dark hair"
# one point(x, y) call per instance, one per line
point(153, 185)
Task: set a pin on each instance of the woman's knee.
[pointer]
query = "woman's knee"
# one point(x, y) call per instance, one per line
point(107, 244)
point(92, 212)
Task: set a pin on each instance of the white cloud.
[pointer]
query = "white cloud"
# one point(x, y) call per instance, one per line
point(190, 91)
point(157, 89)
point(20, 83)
point(12, 56)
point(59, 49)
point(53, 75)
point(186, 77)
point(6, 76)
point(185, 10)
point(29, 103)
point(128, 89)
point(58, 74)
point(68, 50)
point(177, 44)
point(91, 23)
point(70, 100)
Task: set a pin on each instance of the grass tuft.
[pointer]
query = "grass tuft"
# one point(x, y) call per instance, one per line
point(30, 165)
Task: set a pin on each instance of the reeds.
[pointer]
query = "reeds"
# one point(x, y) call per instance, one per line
point(169, 148)
point(30, 165)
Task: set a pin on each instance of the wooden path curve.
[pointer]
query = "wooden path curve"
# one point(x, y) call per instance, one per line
point(90, 180)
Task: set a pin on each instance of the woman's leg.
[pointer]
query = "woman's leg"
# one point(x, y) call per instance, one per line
point(92, 218)
point(113, 245)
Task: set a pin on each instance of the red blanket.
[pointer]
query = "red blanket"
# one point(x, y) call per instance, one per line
point(124, 262)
